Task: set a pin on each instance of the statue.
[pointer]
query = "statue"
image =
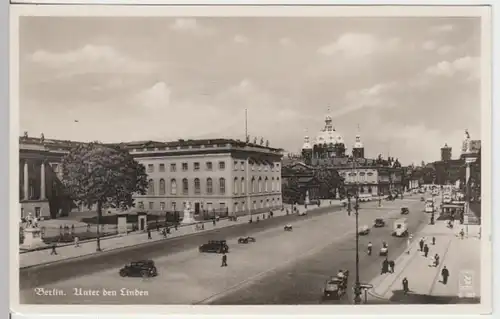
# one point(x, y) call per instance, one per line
point(267, 143)
point(25, 134)
point(188, 214)
point(255, 140)
point(42, 138)
point(247, 139)
point(466, 143)
point(261, 141)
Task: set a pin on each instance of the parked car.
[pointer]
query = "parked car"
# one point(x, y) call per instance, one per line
point(364, 230)
point(335, 287)
point(384, 251)
point(379, 222)
point(141, 268)
point(214, 246)
point(288, 227)
point(405, 210)
point(246, 240)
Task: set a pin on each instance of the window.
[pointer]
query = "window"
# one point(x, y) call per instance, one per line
point(222, 186)
point(254, 185)
point(235, 165)
point(151, 187)
point(151, 205)
point(162, 186)
point(242, 166)
point(173, 167)
point(184, 166)
point(222, 206)
point(162, 167)
point(209, 186)
point(173, 187)
point(151, 168)
point(272, 184)
point(222, 165)
point(235, 186)
point(197, 187)
point(173, 205)
point(196, 166)
point(37, 211)
point(235, 207)
point(162, 206)
point(278, 186)
point(266, 183)
point(242, 188)
point(185, 186)
point(209, 166)
point(260, 185)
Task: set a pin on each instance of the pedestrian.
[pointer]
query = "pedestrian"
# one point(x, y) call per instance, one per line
point(421, 244)
point(157, 227)
point(224, 260)
point(433, 241)
point(164, 233)
point(426, 251)
point(213, 221)
point(149, 234)
point(436, 260)
point(54, 252)
point(176, 226)
point(72, 228)
point(385, 267)
point(77, 242)
point(391, 266)
point(462, 234)
point(406, 289)
point(445, 274)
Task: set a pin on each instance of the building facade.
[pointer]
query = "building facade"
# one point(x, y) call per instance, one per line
point(218, 176)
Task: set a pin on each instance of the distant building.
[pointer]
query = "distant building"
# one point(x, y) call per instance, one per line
point(445, 153)
point(220, 176)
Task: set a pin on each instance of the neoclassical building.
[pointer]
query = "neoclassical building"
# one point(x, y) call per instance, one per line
point(220, 176)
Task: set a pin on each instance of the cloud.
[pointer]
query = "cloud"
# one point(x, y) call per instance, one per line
point(285, 41)
point(190, 25)
point(359, 45)
point(155, 97)
point(445, 49)
point(240, 39)
point(429, 45)
point(441, 28)
point(467, 65)
point(377, 95)
point(89, 59)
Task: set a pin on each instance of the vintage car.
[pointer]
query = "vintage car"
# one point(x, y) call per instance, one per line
point(335, 287)
point(288, 227)
point(141, 268)
point(379, 222)
point(246, 240)
point(405, 210)
point(214, 246)
point(364, 230)
point(384, 251)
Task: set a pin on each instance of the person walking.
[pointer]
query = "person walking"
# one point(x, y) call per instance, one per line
point(436, 260)
point(426, 251)
point(433, 241)
point(462, 234)
point(391, 266)
point(445, 274)
point(406, 288)
point(224, 260)
point(54, 252)
point(385, 267)
point(421, 244)
point(77, 241)
point(149, 234)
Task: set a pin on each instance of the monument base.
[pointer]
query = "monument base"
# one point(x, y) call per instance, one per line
point(188, 220)
point(32, 238)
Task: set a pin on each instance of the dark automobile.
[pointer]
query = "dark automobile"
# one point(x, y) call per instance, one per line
point(405, 210)
point(379, 222)
point(214, 246)
point(288, 228)
point(141, 268)
point(335, 287)
point(246, 240)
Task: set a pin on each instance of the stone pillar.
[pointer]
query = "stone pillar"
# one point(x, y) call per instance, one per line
point(122, 223)
point(26, 181)
point(42, 181)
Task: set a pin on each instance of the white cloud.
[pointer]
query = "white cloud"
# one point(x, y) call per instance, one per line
point(376, 96)
point(359, 45)
point(464, 65)
point(155, 97)
point(90, 59)
point(240, 39)
point(445, 49)
point(285, 41)
point(429, 45)
point(190, 25)
point(442, 28)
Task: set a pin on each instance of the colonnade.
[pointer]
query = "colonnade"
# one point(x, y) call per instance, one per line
point(26, 184)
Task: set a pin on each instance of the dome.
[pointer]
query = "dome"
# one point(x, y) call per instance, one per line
point(328, 135)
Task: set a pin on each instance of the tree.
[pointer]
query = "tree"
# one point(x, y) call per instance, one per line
point(107, 176)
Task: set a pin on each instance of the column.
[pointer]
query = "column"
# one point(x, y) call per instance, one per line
point(26, 180)
point(42, 181)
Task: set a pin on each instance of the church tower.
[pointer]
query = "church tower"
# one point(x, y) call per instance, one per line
point(446, 153)
point(358, 150)
point(307, 150)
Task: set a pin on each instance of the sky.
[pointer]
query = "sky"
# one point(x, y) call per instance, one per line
point(409, 84)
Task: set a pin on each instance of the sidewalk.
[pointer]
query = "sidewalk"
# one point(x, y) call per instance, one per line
point(460, 257)
point(67, 251)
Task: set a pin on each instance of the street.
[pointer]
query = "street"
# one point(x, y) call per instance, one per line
point(280, 268)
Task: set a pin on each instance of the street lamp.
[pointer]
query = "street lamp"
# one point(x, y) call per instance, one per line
point(357, 285)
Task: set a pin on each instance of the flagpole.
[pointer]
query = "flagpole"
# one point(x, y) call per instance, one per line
point(248, 183)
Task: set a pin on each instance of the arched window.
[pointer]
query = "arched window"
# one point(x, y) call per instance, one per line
point(242, 188)
point(162, 187)
point(235, 186)
point(266, 183)
point(151, 187)
point(197, 186)
point(278, 186)
point(222, 186)
point(254, 185)
point(260, 185)
point(272, 185)
point(209, 186)
point(185, 186)
point(173, 186)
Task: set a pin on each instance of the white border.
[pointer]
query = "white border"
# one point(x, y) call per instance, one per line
point(295, 11)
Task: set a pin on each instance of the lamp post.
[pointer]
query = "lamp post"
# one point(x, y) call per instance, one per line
point(357, 285)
